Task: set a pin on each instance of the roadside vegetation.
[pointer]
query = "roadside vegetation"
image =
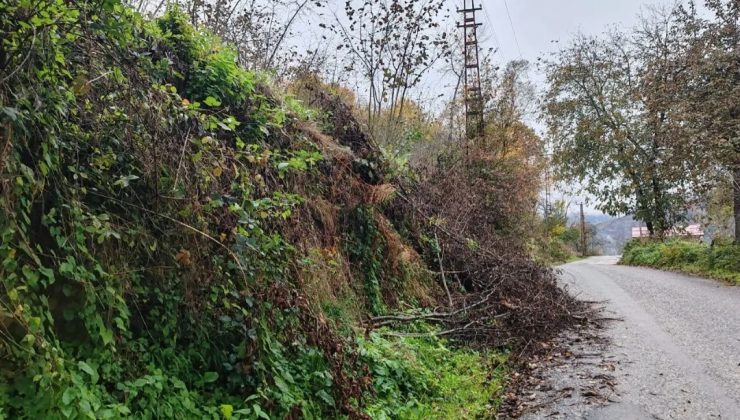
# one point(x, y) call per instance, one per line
point(186, 232)
point(418, 378)
point(558, 241)
point(720, 260)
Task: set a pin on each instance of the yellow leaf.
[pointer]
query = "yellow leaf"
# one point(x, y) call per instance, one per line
point(217, 171)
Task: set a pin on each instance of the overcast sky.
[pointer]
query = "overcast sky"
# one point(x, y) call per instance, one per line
point(526, 29)
point(539, 27)
point(537, 23)
point(531, 29)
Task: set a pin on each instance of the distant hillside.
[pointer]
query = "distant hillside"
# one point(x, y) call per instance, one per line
point(593, 219)
point(612, 234)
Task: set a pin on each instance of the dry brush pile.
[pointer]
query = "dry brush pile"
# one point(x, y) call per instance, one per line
point(496, 295)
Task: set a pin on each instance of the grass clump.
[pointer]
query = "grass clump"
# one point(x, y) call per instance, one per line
point(424, 377)
point(720, 260)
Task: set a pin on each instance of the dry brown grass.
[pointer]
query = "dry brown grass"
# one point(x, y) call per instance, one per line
point(379, 194)
point(406, 265)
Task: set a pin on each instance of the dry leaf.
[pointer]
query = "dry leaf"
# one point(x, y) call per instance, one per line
point(183, 257)
point(80, 86)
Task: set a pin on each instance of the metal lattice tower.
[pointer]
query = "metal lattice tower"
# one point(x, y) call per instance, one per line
point(472, 76)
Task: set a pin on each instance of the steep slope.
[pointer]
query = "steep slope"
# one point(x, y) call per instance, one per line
point(178, 237)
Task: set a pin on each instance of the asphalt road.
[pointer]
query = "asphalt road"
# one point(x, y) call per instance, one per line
point(677, 347)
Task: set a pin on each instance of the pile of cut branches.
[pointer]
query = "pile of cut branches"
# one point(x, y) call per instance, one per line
point(496, 295)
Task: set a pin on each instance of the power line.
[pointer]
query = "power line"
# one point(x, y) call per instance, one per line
point(511, 23)
point(493, 29)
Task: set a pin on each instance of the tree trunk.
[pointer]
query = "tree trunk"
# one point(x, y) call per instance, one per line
point(659, 219)
point(736, 201)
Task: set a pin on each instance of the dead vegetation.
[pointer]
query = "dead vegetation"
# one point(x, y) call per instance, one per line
point(453, 237)
point(497, 295)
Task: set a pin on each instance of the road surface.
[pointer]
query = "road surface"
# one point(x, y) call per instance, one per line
point(676, 350)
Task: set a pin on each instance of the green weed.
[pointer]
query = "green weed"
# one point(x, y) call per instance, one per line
point(416, 378)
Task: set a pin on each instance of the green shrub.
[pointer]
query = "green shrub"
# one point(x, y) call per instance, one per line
point(726, 256)
point(720, 260)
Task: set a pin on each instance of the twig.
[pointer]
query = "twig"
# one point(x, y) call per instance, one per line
point(419, 335)
point(30, 50)
point(285, 31)
point(90, 82)
point(182, 156)
point(441, 268)
point(6, 146)
point(449, 272)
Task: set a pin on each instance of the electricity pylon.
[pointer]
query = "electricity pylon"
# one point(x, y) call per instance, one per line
point(472, 77)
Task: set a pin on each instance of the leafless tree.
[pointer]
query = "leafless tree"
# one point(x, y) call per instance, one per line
point(392, 44)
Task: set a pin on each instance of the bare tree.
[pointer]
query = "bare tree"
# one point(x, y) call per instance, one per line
point(393, 44)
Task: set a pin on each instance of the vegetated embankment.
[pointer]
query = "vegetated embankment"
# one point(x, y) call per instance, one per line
point(720, 259)
point(179, 237)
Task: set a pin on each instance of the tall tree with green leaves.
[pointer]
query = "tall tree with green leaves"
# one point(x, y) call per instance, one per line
point(710, 98)
point(612, 128)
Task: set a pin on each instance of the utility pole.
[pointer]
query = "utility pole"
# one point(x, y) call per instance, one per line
point(583, 233)
point(471, 74)
point(547, 190)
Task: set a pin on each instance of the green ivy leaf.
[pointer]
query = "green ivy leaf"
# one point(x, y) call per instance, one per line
point(12, 113)
point(68, 396)
point(211, 101)
point(326, 397)
point(89, 370)
point(227, 410)
point(124, 181)
point(259, 412)
point(48, 273)
point(107, 336)
point(209, 377)
point(31, 275)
